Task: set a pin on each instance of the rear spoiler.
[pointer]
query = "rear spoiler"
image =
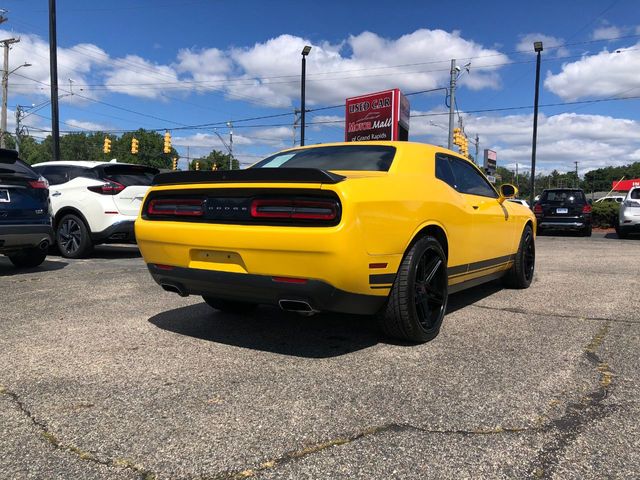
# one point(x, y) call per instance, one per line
point(257, 175)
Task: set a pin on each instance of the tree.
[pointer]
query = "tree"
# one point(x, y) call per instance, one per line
point(224, 161)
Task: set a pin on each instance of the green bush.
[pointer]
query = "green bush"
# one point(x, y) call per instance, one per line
point(605, 214)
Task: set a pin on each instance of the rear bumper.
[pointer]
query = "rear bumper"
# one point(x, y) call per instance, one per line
point(16, 237)
point(120, 232)
point(262, 289)
point(572, 224)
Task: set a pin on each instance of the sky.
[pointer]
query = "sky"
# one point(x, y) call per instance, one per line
point(204, 68)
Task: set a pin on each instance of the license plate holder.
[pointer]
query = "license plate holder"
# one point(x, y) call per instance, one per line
point(4, 196)
point(562, 210)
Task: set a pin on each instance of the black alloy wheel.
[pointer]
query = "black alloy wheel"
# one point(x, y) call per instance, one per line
point(72, 237)
point(520, 275)
point(418, 299)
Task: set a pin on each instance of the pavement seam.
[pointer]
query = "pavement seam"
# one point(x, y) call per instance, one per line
point(579, 414)
point(556, 315)
point(55, 442)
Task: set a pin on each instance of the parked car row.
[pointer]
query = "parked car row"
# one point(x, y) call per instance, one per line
point(72, 205)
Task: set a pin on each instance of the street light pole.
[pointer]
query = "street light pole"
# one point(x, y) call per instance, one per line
point(53, 71)
point(305, 52)
point(452, 99)
point(537, 46)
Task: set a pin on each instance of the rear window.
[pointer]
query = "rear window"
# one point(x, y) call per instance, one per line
point(13, 167)
point(129, 175)
point(376, 158)
point(563, 197)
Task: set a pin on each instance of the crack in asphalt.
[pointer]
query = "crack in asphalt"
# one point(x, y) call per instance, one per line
point(579, 414)
point(55, 442)
point(557, 315)
point(567, 427)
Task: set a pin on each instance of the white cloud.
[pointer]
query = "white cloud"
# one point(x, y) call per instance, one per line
point(601, 75)
point(594, 141)
point(138, 77)
point(364, 62)
point(606, 32)
point(549, 43)
point(85, 125)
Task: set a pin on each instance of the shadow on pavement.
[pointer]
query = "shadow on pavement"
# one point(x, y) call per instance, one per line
point(107, 252)
point(7, 269)
point(272, 330)
point(469, 297)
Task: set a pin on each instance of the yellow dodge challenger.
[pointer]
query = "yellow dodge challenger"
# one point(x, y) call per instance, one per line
point(377, 228)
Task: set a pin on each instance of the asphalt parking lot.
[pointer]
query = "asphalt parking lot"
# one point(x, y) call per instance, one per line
point(104, 375)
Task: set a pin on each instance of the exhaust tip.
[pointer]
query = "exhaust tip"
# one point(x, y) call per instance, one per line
point(175, 288)
point(298, 306)
point(44, 245)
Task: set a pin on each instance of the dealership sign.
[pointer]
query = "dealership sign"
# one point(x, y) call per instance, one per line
point(625, 185)
point(377, 116)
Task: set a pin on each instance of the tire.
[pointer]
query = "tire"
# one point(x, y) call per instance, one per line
point(587, 231)
point(418, 299)
point(28, 258)
point(539, 231)
point(73, 237)
point(621, 232)
point(229, 306)
point(521, 272)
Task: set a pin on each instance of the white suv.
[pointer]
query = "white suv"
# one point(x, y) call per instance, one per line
point(629, 216)
point(94, 202)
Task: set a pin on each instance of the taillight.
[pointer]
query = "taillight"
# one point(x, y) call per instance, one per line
point(586, 208)
point(108, 188)
point(41, 183)
point(180, 207)
point(537, 208)
point(295, 209)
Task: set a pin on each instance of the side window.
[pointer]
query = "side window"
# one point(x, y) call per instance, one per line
point(443, 170)
point(470, 180)
point(55, 174)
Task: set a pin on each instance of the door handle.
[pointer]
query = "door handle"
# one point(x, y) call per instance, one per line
point(56, 194)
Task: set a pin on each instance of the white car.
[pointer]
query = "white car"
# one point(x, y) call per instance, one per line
point(94, 202)
point(611, 199)
point(520, 201)
point(629, 215)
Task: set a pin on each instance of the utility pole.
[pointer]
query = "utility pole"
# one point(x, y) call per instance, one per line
point(18, 127)
point(5, 89)
point(537, 46)
point(477, 162)
point(230, 125)
point(452, 100)
point(516, 174)
point(53, 71)
point(576, 162)
point(296, 120)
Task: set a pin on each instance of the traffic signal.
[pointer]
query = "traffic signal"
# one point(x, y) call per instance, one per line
point(175, 164)
point(107, 145)
point(134, 145)
point(167, 142)
point(197, 165)
point(457, 137)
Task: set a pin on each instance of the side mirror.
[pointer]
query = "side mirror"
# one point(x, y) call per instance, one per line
point(507, 191)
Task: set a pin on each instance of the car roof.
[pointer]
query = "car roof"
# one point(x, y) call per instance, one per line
point(79, 163)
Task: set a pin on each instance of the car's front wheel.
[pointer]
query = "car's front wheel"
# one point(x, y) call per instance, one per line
point(418, 298)
point(587, 231)
point(520, 274)
point(73, 237)
point(229, 306)
point(28, 258)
